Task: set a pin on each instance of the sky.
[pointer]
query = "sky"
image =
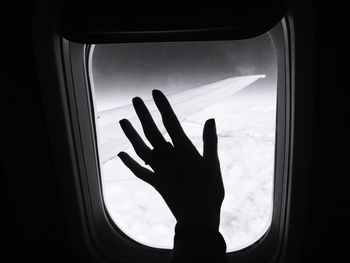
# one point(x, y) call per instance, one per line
point(245, 127)
point(123, 71)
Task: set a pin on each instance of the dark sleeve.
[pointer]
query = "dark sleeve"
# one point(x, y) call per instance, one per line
point(196, 243)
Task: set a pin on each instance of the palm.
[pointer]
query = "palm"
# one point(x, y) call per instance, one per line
point(190, 184)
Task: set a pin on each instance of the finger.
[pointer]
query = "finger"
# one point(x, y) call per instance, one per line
point(149, 127)
point(140, 171)
point(141, 149)
point(171, 123)
point(210, 141)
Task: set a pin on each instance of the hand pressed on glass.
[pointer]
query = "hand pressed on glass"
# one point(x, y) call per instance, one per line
point(190, 184)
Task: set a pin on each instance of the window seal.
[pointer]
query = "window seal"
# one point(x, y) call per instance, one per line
point(106, 237)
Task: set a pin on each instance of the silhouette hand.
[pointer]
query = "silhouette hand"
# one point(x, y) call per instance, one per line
point(190, 184)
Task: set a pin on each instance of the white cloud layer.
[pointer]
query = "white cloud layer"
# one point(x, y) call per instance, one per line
point(246, 131)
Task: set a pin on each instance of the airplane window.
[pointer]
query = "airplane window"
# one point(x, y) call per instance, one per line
point(234, 82)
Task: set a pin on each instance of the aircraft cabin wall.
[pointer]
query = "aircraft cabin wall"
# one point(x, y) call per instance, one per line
point(36, 229)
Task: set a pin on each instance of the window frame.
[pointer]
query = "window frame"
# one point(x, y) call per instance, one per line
point(76, 61)
point(55, 78)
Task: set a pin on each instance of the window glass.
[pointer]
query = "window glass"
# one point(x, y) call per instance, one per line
point(231, 81)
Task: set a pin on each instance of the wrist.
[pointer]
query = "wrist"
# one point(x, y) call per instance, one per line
point(198, 231)
point(201, 221)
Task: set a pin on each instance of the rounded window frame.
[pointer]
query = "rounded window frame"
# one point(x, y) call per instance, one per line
point(108, 240)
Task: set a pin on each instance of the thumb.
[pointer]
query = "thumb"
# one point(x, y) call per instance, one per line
point(140, 171)
point(210, 140)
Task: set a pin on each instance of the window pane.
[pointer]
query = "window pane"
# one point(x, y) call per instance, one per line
point(231, 81)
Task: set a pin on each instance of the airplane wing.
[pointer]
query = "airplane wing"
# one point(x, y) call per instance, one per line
point(111, 139)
